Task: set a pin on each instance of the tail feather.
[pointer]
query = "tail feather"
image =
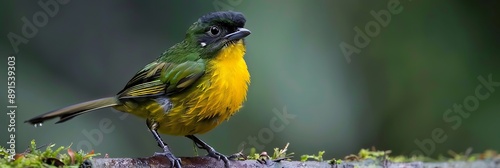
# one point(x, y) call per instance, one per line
point(69, 112)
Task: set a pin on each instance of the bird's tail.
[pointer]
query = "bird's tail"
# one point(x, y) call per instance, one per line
point(69, 112)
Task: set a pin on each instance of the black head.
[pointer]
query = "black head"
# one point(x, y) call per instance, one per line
point(217, 30)
point(225, 18)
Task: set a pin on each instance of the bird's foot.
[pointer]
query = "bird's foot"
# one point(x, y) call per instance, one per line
point(218, 156)
point(174, 161)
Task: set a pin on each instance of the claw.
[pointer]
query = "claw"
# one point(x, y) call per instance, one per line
point(218, 156)
point(211, 151)
point(174, 161)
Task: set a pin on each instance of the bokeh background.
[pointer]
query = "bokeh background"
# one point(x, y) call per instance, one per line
point(392, 93)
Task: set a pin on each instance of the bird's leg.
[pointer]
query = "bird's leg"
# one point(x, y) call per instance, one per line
point(211, 151)
point(153, 127)
point(161, 146)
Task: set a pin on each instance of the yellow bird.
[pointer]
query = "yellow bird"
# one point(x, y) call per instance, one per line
point(190, 89)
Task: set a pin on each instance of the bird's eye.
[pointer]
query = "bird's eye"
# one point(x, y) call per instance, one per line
point(214, 31)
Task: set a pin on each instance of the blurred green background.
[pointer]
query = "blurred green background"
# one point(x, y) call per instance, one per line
point(392, 94)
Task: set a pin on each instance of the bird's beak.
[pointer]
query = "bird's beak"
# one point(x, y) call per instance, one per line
point(237, 35)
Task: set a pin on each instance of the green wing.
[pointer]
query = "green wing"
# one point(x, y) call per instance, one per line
point(163, 78)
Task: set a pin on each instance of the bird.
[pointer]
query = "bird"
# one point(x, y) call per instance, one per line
point(189, 89)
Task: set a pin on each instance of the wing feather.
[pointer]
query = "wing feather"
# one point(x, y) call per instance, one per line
point(163, 78)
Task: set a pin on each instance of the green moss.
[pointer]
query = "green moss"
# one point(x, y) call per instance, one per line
point(278, 154)
point(282, 153)
point(34, 157)
point(318, 157)
point(376, 155)
point(453, 156)
point(65, 157)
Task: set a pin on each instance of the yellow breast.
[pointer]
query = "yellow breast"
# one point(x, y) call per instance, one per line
point(215, 97)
